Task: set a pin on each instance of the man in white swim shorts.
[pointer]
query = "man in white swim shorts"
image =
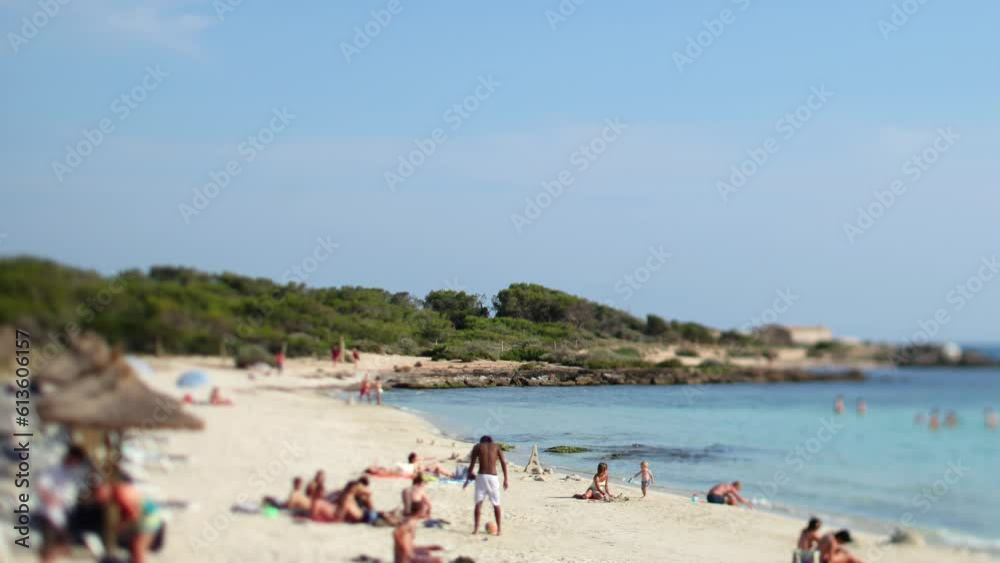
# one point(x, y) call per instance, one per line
point(487, 453)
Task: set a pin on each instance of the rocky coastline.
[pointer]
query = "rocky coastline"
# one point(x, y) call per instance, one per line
point(457, 376)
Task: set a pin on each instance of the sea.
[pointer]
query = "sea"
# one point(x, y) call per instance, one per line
point(794, 455)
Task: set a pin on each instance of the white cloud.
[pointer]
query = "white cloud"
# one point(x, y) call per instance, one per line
point(174, 25)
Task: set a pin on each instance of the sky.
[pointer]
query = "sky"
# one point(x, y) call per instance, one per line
point(724, 161)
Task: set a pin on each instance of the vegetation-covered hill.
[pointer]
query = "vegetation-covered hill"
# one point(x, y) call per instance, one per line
point(184, 311)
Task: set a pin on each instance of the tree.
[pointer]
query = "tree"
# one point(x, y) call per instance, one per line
point(456, 306)
point(656, 325)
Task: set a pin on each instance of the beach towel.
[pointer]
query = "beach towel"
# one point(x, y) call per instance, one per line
point(388, 475)
point(246, 508)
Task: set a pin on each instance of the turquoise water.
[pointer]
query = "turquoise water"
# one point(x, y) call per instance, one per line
point(783, 441)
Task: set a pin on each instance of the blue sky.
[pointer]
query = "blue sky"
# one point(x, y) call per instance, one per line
point(212, 81)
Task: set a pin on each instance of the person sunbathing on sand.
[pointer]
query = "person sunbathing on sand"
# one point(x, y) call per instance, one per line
point(430, 465)
point(405, 551)
point(414, 465)
point(297, 499)
point(831, 552)
point(594, 492)
point(415, 500)
point(319, 482)
point(727, 494)
point(352, 507)
point(809, 538)
point(216, 398)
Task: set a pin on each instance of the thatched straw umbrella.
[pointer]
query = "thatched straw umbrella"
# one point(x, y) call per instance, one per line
point(88, 354)
point(116, 400)
point(111, 402)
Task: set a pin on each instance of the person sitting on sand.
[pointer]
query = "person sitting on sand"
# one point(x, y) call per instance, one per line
point(297, 499)
point(216, 398)
point(352, 507)
point(810, 536)
point(594, 492)
point(320, 509)
point(141, 524)
point(831, 552)
point(319, 482)
point(404, 550)
point(415, 500)
point(727, 494)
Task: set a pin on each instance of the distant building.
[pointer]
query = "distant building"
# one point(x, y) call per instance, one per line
point(778, 335)
point(809, 335)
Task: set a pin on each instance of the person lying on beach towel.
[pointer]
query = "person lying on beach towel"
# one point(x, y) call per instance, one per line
point(595, 492)
point(414, 465)
point(831, 552)
point(405, 551)
point(416, 503)
point(727, 494)
point(298, 500)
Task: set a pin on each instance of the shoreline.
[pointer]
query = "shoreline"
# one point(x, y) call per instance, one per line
point(281, 427)
point(868, 526)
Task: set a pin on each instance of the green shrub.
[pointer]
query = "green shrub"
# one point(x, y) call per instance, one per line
point(250, 354)
point(687, 353)
point(523, 354)
point(671, 363)
point(713, 367)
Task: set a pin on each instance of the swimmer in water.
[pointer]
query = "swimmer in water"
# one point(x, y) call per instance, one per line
point(992, 420)
point(862, 407)
point(951, 420)
point(935, 422)
point(838, 405)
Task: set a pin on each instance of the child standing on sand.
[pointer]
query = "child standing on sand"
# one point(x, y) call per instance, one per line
point(647, 476)
point(378, 390)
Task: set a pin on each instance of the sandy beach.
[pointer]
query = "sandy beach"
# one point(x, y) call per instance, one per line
point(279, 428)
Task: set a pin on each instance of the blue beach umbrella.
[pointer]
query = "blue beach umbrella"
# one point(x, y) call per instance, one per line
point(192, 379)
